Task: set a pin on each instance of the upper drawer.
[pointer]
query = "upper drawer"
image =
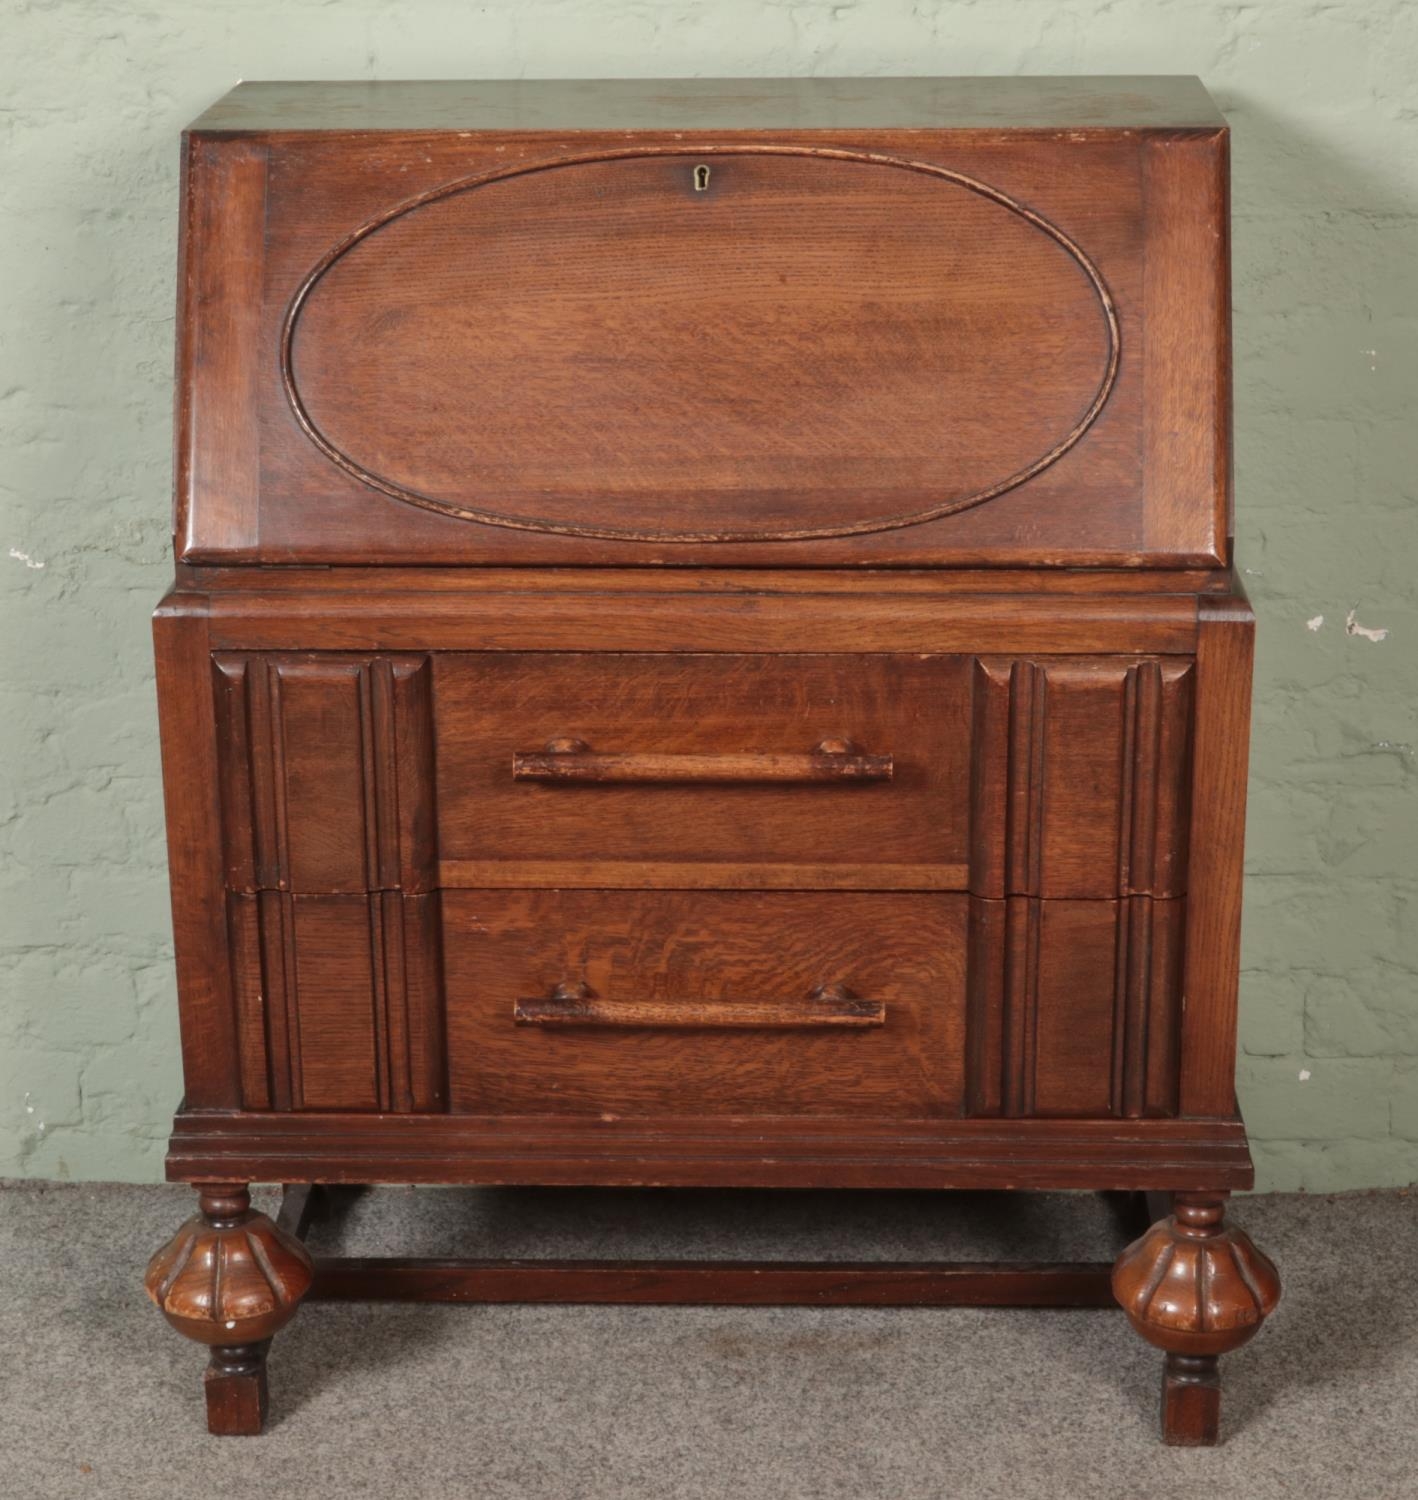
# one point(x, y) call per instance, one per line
point(786, 346)
point(650, 769)
point(1062, 777)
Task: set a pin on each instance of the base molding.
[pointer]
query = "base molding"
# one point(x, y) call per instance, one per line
point(561, 1151)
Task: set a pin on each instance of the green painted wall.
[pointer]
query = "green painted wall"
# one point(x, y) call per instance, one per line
point(1324, 104)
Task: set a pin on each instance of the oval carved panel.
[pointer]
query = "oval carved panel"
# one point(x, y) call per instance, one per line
point(743, 344)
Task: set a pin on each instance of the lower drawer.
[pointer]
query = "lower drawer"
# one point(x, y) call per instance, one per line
point(626, 1003)
point(705, 1003)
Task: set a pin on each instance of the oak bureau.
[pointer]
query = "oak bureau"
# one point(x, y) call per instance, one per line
point(704, 652)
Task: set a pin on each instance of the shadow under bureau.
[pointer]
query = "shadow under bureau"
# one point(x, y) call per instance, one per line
point(704, 653)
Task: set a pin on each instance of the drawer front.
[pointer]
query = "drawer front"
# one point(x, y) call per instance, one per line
point(778, 770)
point(705, 1003)
point(428, 908)
point(1060, 777)
point(929, 347)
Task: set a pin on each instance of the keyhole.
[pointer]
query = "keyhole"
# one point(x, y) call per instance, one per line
point(701, 179)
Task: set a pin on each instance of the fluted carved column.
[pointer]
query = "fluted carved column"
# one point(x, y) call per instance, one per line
point(231, 1278)
point(1196, 1289)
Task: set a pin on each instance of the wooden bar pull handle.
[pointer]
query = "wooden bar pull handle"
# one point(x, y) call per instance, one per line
point(577, 1005)
point(571, 760)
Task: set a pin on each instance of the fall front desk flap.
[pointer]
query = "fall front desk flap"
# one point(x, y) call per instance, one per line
point(810, 323)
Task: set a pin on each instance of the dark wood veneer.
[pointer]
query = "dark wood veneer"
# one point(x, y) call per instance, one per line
point(704, 653)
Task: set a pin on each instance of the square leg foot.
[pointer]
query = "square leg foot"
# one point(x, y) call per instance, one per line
point(235, 1383)
point(1191, 1401)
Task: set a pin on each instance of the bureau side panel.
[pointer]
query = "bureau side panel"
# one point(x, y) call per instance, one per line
point(187, 727)
point(1187, 355)
point(219, 368)
point(1218, 828)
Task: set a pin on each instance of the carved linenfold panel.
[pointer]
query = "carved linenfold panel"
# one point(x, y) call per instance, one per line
point(249, 998)
point(1148, 1047)
point(1157, 719)
point(339, 1000)
point(1075, 1007)
point(322, 825)
point(330, 844)
point(1080, 780)
point(410, 976)
point(327, 772)
point(1024, 806)
point(277, 982)
point(989, 774)
point(232, 694)
point(985, 1009)
point(1067, 989)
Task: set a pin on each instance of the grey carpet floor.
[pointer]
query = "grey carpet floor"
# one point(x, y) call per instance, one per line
point(99, 1398)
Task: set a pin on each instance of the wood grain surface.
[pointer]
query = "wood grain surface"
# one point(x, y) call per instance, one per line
point(667, 949)
point(689, 708)
point(658, 269)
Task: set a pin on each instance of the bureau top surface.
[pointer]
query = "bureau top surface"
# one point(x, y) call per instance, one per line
point(735, 104)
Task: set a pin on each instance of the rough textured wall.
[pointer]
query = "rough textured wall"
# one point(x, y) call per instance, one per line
point(1324, 105)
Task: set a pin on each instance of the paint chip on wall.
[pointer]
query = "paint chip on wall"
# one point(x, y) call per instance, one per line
point(1353, 627)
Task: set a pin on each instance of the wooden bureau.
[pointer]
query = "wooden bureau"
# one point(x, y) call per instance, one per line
point(704, 653)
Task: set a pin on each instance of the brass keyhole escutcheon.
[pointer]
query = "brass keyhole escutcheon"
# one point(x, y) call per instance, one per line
point(701, 179)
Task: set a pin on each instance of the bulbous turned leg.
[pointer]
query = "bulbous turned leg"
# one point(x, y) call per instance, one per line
point(230, 1278)
point(1196, 1289)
